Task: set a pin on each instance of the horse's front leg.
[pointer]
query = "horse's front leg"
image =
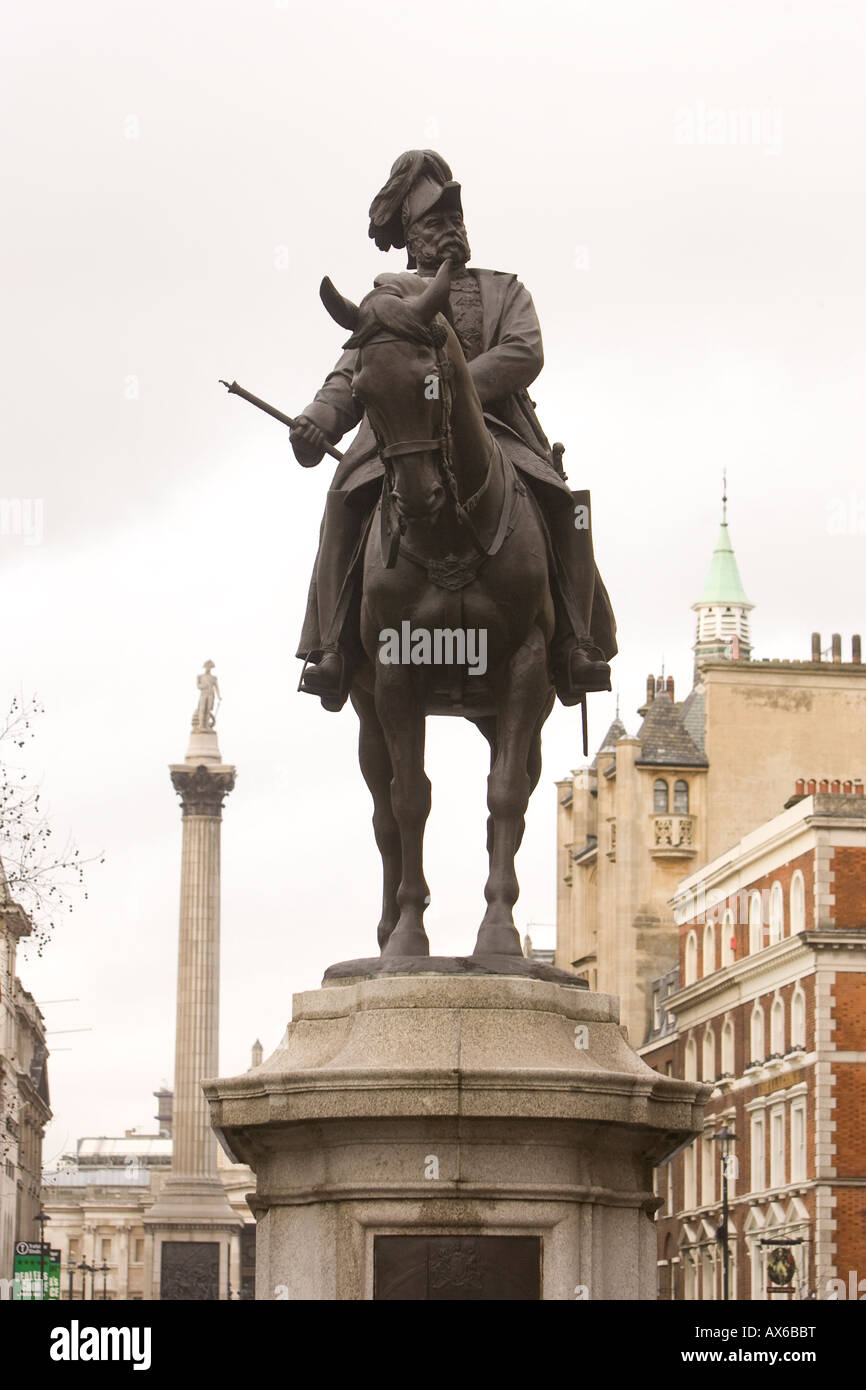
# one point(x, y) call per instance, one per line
point(376, 767)
point(400, 707)
point(526, 702)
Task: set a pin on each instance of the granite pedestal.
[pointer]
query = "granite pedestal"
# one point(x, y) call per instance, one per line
point(453, 1137)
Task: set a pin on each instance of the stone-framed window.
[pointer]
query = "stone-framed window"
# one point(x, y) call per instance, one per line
point(756, 1034)
point(708, 1056)
point(756, 930)
point(777, 913)
point(798, 1017)
point(797, 904)
point(729, 949)
point(709, 955)
point(681, 797)
point(691, 958)
point(798, 1141)
point(757, 1149)
point(660, 797)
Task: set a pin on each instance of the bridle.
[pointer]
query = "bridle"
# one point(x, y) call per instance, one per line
point(442, 445)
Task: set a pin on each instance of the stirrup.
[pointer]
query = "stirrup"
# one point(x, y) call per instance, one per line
point(581, 670)
point(333, 694)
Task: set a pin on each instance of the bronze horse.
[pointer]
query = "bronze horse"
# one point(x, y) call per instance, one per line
point(455, 547)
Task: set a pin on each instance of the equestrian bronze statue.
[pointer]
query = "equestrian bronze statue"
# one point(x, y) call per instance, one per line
point(455, 572)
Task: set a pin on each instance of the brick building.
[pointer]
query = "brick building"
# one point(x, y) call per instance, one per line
point(698, 773)
point(767, 1004)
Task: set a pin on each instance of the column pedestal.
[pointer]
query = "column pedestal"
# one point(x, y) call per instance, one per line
point(447, 1137)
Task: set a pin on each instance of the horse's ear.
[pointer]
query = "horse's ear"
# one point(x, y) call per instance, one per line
point(434, 299)
point(342, 310)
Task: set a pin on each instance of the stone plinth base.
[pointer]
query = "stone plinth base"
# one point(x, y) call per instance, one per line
point(450, 1110)
point(193, 1216)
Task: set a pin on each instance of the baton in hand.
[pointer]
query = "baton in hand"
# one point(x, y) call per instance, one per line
point(235, 390)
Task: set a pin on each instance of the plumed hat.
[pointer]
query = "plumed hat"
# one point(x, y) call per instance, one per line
point(420, 179)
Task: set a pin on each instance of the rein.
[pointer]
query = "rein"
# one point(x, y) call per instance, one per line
point(443, 445)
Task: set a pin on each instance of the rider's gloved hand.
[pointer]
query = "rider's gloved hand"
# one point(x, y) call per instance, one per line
point(308, 442)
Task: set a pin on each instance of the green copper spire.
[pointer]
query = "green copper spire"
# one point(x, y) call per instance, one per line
point(723, 584)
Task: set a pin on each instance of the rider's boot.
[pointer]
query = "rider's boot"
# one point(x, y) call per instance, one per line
point(329, 665)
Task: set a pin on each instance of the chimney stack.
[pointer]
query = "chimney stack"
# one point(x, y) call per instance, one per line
point(835, 786)
point(816, 646)
point(650, 689)
point(800, 787)
point(837, 646)
point(846, 787)
point(858, 788)
point(855, 648)
point(810, 787)
point(669, 686)
point(823, 786)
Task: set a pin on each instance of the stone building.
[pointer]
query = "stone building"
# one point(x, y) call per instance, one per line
point(766, 1004)
point(698, 774)
point(24, 1099)
point(98, 1198)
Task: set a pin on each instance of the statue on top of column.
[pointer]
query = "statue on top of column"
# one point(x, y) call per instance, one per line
point(205, 713)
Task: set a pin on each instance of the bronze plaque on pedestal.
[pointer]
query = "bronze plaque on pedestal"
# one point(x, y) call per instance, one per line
point(190, 1270)
point(456, 1268)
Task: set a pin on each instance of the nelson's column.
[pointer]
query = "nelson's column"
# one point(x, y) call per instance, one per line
point(194, 1231)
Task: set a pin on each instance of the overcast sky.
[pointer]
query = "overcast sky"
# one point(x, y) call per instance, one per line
point(680, 186)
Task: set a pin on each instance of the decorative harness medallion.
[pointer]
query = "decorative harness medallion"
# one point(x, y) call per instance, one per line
point(452, 572)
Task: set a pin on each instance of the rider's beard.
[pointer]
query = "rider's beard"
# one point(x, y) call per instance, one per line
point(449, 244)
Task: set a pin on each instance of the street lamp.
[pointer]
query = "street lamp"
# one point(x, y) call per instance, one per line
point(103, 1269)
point(41, 1222)
point(71, 1270)
point(725, 1137)
point(85, 1270)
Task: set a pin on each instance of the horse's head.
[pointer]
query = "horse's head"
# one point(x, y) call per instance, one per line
point(397, 379)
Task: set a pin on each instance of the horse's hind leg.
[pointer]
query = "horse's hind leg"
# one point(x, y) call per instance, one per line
point(516, 768)
point(486, 724)
point(376, 767)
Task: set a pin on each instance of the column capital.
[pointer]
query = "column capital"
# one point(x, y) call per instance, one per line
point(201, 789)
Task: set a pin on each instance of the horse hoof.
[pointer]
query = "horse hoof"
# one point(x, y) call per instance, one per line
point(498, 941)
point(384, 932)
point(406, 942)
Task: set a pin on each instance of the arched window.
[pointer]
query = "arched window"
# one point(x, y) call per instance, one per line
point(777, 1027)
point(729, 949)
point(756, 933)
point(798, 904)
point(777, 913)
point(681, 798)
point(708, 1060)
point(798, 1018)
point(660, 796)
point(757, 1034)
point(691, 964)
point(691, 1060)
point(690, 1187)
point(709, 961)
point(728, 1048)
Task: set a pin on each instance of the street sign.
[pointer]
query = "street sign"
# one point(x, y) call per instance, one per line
point(34, 1261)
